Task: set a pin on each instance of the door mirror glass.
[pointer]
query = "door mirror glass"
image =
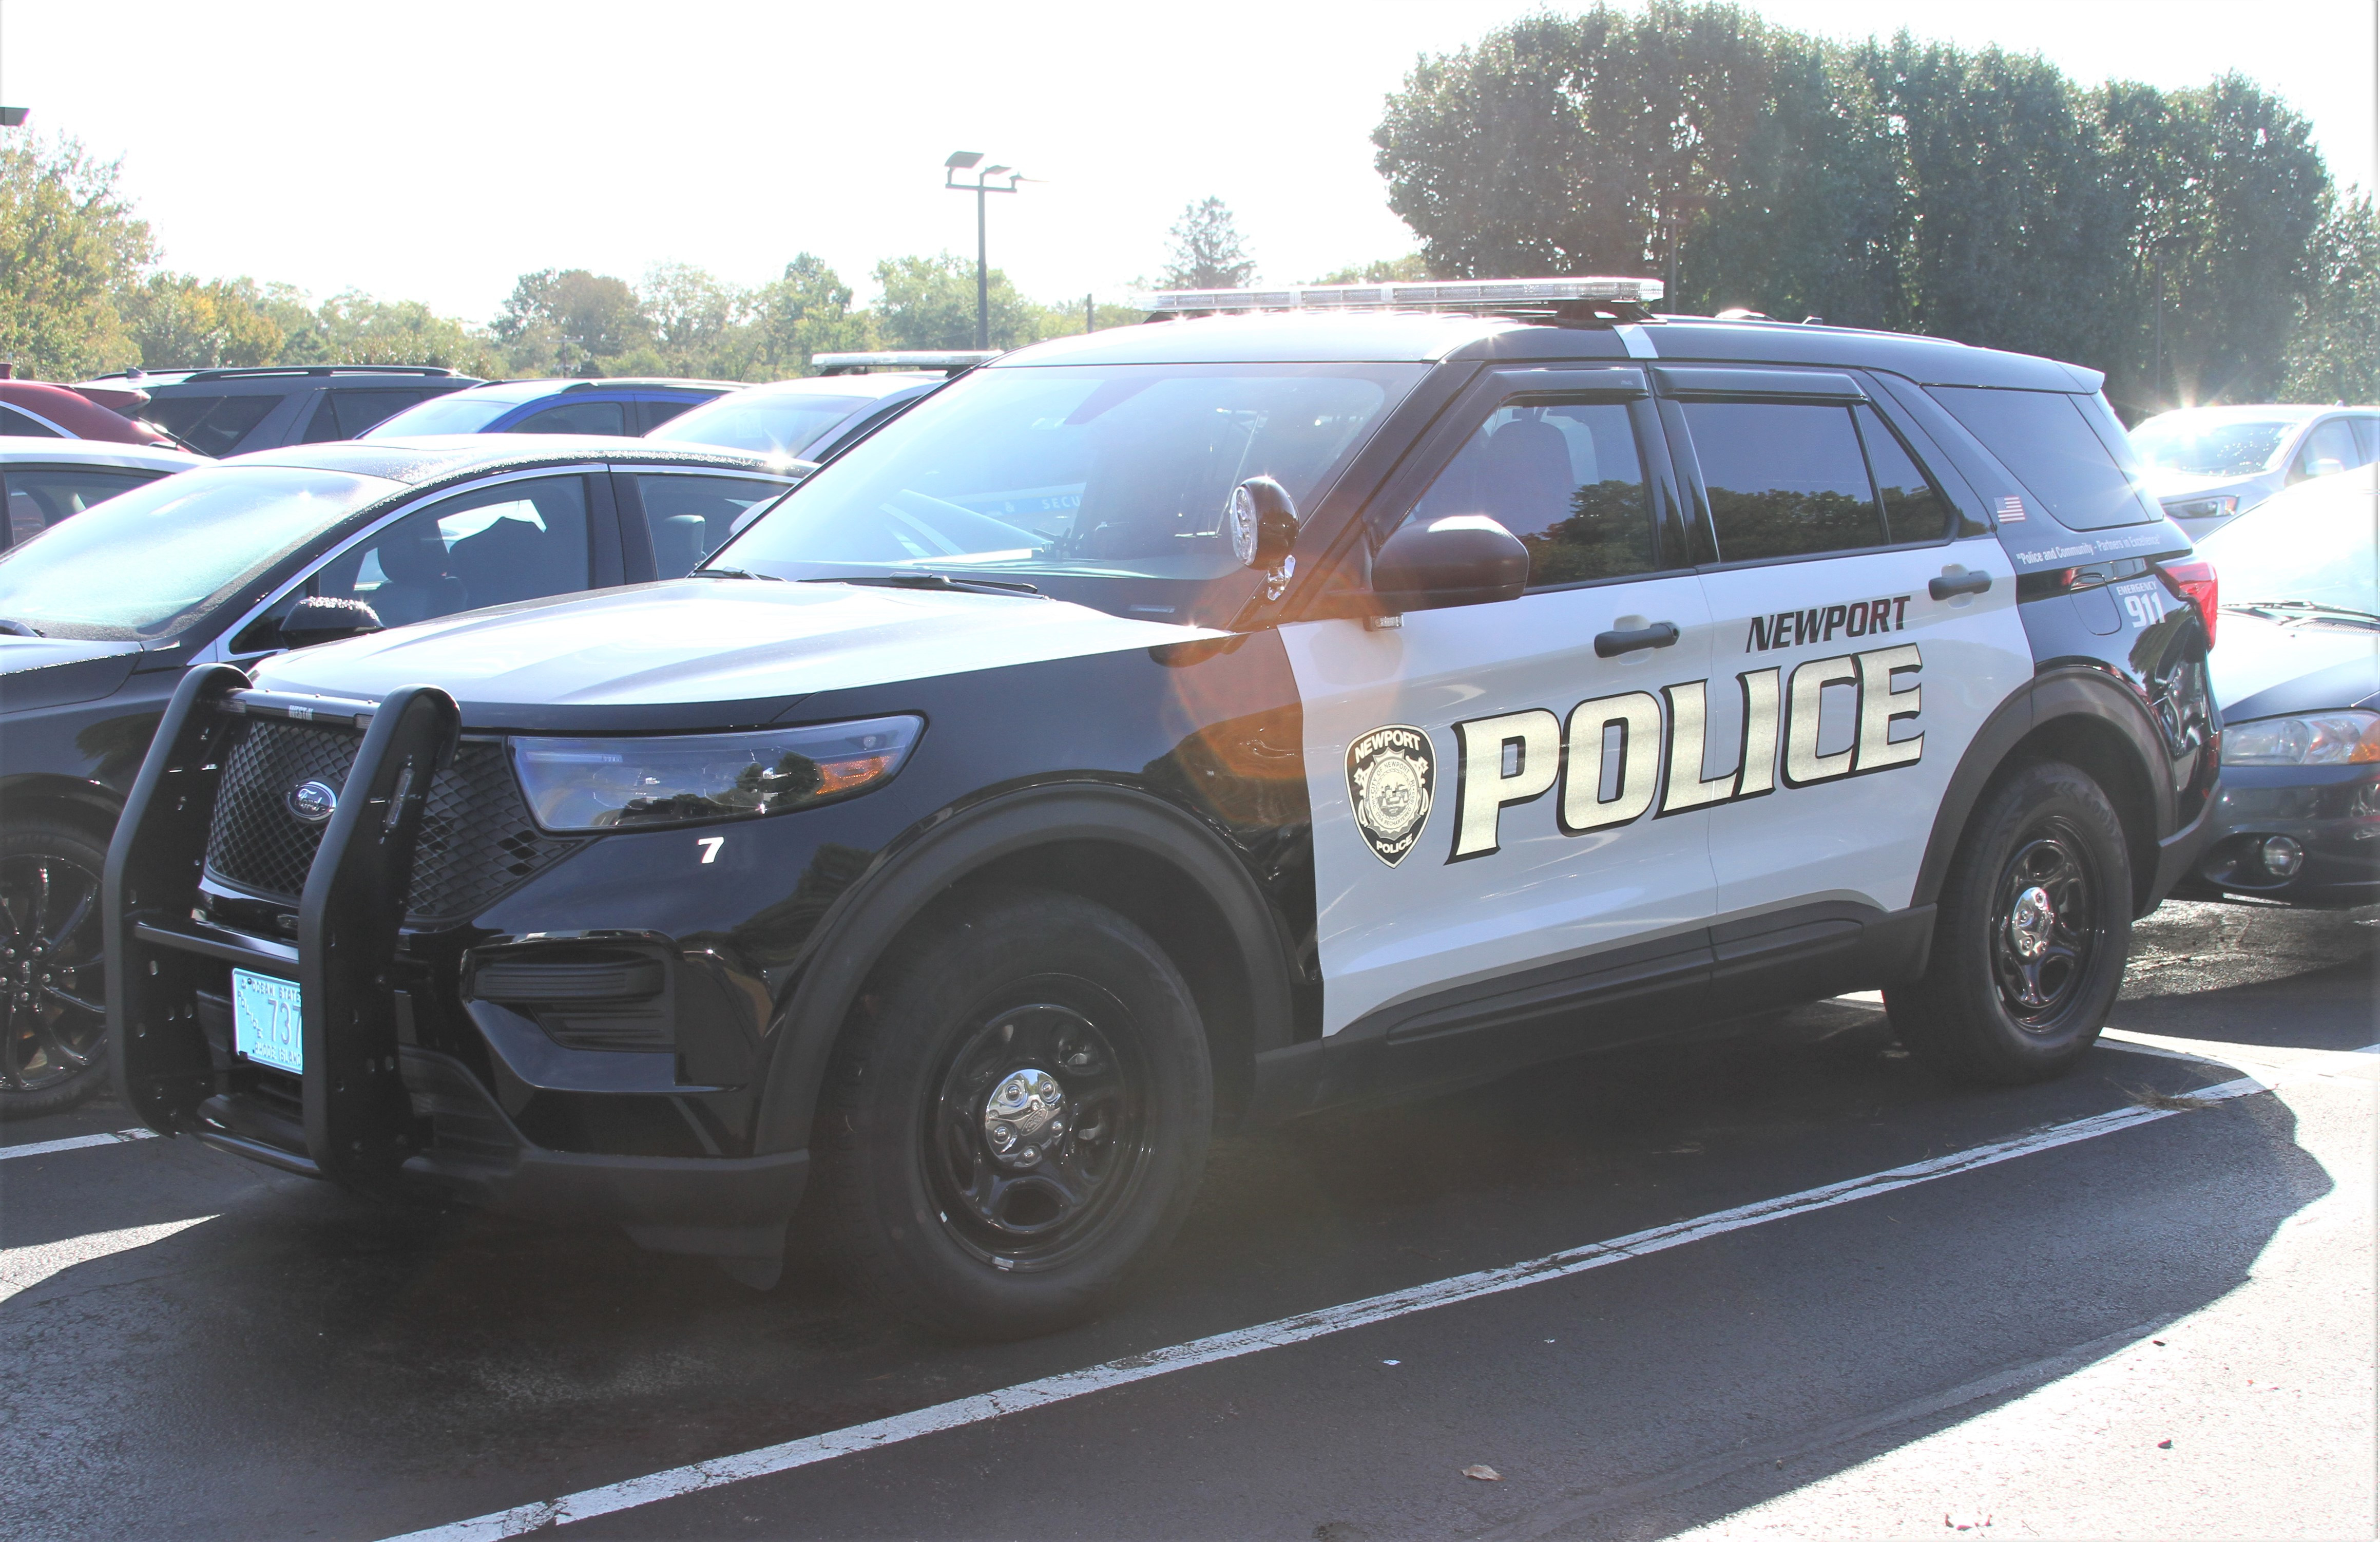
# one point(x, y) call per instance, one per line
point(1457, 559)
point(318, 618)
point(1263, 523)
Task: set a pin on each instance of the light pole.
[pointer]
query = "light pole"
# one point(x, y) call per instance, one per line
point(966, 160)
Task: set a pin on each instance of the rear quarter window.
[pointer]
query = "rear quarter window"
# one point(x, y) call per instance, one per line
point(2067, 450)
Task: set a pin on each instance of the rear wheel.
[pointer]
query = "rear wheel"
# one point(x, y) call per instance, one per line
point(1019, 1115)
point(53, 990)
point(2032, 936)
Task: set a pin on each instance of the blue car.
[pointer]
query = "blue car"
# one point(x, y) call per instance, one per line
point(625, 408)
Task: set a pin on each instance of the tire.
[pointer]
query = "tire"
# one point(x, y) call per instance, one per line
point(984, 1221)
point(2031, 940)
point(53, 994)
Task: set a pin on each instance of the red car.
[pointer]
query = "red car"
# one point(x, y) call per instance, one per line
point(40, 410)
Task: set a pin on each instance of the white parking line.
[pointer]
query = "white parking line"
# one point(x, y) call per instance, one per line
point(74, 1142)
point(676, 1482)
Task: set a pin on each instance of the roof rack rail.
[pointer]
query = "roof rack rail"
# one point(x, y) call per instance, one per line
point(1593, 300)
point(251, 372)
point(950, 360)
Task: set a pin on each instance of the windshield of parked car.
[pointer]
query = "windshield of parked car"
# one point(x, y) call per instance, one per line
point(460, 413)
point(2320, 546)
point(148, 562)
point(782, 423)
point(2191, 446)
point(1087, 471)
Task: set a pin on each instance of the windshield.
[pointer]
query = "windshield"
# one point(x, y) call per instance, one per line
point(460, 413)
point(148, 562)
point(1101, 473)
point(2195, 446)
point(783, 424)
point(2320, 548)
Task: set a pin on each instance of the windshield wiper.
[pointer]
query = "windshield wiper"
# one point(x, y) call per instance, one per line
point(2301, 607)
point(940, 581)
point(18, 629)
point(734, 572)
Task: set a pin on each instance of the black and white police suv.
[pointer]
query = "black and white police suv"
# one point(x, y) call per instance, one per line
point(1209, 719)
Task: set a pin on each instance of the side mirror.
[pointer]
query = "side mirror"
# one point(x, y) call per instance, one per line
point(1263, 523)
point(320, 619)
point(1458, 559)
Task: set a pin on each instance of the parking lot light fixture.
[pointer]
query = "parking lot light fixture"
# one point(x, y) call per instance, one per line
point(12, 118)
point(969, 160)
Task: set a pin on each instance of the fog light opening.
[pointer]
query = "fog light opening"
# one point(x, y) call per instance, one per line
point(2281, 856)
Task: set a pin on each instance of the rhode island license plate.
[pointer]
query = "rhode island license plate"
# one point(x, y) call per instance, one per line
point(267, 1022)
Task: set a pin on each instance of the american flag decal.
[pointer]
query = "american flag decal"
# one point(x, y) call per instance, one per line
point(2011, 510)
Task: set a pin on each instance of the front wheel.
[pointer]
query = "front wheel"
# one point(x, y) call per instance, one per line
point(52, 989)
point(2032, 936)
point(1018, 1114)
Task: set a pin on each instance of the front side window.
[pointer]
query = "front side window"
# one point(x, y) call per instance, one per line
point(611, 417)
point(201, 537)
point(2065, 450)
point(40, 496)
point(1783, 479)
point(491, 546)
point(1566, 479)
point(692, 517)
point(1105, 473)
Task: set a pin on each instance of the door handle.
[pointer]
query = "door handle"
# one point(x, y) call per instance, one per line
point(1965, 583)
point(1611, 644)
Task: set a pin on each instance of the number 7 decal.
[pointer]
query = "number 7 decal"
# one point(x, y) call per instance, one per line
point(710, 845)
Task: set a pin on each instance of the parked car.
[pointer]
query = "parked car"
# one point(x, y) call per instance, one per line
point(44, 481)
point(37, 409)
point(2298, 675)
point(236, 560)
point(604, 407)
point(2207, 465)
point(232, 411)
point(814, 418)
point(1212, 719)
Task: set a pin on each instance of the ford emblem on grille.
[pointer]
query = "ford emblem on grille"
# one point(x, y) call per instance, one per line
point(313, 801)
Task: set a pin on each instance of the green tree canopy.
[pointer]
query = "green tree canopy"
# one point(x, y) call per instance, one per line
point(571, 322)
point(70, 247)
point(1207, 251)
point(178, 321)
point(929, 302)
point(2334, 354)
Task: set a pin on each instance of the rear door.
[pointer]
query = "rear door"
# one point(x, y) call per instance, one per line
point(1862, 638)
point(1492, 826)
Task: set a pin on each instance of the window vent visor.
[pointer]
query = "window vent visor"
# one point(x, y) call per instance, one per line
point(1798, 385)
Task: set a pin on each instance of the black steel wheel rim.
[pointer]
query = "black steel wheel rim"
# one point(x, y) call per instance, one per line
point(50, 972)
point(2045, 925)
point(1038, 1129)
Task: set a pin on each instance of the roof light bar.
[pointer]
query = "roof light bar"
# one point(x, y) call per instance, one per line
point(1482, 294)
point(904, 358)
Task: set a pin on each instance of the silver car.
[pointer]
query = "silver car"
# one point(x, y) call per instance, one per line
point(2207, 465)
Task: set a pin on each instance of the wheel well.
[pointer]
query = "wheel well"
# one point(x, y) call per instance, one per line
point(1168, 903)
point(59, 798)
point(2103, 753)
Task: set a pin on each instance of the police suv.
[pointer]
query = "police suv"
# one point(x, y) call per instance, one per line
point(1310, 695)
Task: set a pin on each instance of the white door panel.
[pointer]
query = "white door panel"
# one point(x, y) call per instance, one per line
point(1547, 869)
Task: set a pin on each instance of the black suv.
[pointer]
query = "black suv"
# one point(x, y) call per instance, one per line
point(1213, 719)
point(227, 412)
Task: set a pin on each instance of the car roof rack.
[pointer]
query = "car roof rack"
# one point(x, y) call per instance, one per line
point(254, 372)
point(1594, 301)
point(947, 360)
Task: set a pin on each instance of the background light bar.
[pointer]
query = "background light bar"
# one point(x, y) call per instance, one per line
point(1484, 293)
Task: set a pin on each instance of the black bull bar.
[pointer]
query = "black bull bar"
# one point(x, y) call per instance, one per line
point(361, 1127)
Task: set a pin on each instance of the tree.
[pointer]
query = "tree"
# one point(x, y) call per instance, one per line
point(570, 322)
point(807, 310)
point(69, 247)
point(357, 329)
point(693, 318)
point(177, 321)
point(929, 302)
point(1207, 252)
point(2334, 352)
point(1408, 268)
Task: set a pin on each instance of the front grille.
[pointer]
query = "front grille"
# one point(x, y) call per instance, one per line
point(477, 839)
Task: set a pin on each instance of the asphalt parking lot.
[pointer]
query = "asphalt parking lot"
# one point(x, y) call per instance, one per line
point(2100, 1308)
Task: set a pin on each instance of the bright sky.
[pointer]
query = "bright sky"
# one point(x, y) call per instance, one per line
point(435, 149)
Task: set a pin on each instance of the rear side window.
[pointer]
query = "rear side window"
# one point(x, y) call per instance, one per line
point(211, 425)
point(1914, 510)
point(347, 414)
point(2068, 463)
point(2331, 447)
point(692, 517)
point(13, 421)
point(1565, 479)
point(1784, 478)
point(577, 418)
point(2367, 440)
point(654, 413)
point(40, 496)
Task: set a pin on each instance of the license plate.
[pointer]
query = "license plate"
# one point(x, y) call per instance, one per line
point(267, 1021)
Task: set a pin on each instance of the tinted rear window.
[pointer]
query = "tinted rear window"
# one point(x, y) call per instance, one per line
point(2051, 441)
point(13, 421)
point(577, 418)
point(211, 425)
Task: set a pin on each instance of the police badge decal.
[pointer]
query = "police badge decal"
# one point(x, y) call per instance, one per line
point(1389, 777)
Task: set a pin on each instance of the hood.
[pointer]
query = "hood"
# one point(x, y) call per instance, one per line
point(2264, 669)
point(58, 671)
point(701, 653)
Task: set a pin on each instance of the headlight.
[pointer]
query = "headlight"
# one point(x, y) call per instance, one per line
point(2204, 508)
point(626, 783)
point(2316, 739)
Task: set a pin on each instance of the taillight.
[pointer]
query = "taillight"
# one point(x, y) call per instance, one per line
point(2195, 582)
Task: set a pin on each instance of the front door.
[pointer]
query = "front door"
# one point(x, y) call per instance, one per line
point(1488, 787)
